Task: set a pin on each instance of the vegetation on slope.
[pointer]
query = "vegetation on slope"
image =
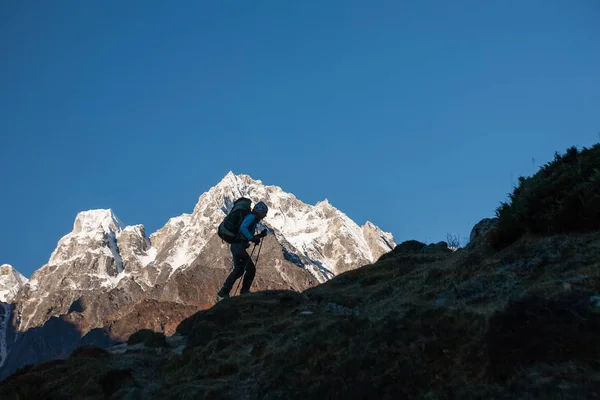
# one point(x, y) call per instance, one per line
point(563, 196)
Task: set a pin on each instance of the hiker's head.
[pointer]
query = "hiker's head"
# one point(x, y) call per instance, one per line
point(260, 209)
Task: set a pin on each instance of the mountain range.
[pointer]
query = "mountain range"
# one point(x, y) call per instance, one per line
point(106, 280)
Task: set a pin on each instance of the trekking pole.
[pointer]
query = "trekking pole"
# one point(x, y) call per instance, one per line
point(240, 281)
point(258, 254)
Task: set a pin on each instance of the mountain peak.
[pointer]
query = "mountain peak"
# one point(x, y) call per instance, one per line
point(93, 220)
point(10, 282)
point(229, 178)
point(323, 203)
point(232, 180)
point(7, 268)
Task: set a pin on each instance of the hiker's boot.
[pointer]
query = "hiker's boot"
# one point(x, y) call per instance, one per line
point(222, 293)
point(244, 292)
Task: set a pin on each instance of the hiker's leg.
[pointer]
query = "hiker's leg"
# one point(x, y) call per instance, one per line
point(249, 276)
point(233, 276)
point(238, 252)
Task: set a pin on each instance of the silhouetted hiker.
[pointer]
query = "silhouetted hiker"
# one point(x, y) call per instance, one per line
point(242, 262)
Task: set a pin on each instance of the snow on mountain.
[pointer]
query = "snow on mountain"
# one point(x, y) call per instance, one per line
point(10, 283)
point(96, 256)
point(94, 221)
point(137, 248)
point(99, 247)
point(90, 228)
point(90, 249)
point(175, 241)
point(321, 238)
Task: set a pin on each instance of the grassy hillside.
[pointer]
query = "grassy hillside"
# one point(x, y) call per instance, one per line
point(563, 196)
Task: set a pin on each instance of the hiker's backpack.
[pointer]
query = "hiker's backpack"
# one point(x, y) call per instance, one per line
point(230, 226)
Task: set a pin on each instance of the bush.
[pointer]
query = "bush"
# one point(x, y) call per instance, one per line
point(158, 339)
point(407, 247)
point(562, 197)
point(410, 247)
point(139, 337)
point(148, 338)
point(90, 351)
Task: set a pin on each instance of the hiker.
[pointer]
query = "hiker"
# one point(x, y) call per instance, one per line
point(242, 262)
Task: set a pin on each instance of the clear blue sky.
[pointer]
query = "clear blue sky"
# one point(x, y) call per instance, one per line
point(415, 115)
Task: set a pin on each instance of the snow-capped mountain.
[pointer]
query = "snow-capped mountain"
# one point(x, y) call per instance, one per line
point(103, 268)
point(103, 255)
point(10, 282)
point(319, 237)
point(99, 254)
point(93, 254)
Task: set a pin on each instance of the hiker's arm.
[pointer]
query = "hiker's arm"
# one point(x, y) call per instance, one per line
point(245, 225)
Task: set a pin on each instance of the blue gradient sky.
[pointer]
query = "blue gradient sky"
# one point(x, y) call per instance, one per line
point(417, 116)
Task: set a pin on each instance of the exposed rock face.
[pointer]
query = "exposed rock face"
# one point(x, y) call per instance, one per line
point(378, 241)
point(148, 314)
point(134, 246)
point(481, 228)
point(7, 331)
